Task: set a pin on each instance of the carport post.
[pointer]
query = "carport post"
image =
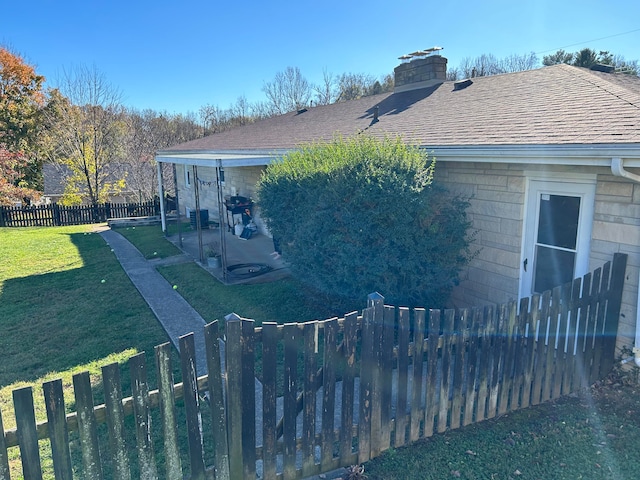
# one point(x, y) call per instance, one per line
point(163, 217)
point(196, 191)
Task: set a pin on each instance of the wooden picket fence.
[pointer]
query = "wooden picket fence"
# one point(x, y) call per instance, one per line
point(56, 215)
point(332, 393)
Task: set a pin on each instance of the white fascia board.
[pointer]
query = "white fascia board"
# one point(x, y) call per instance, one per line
point(578, 155)
point(214, 159)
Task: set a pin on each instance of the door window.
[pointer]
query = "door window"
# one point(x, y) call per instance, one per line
point(557, 232)
point(555, 255)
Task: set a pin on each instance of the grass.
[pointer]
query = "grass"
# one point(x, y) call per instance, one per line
point(66, 306)
point(283, 301)
point(589, 436)
point(150, 241)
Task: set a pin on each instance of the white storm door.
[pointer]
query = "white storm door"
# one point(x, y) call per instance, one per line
point(557, 233)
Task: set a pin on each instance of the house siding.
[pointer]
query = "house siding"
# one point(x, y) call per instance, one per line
point(616, 229)
point(238, 181)
point(496, 197)
point(496, 194)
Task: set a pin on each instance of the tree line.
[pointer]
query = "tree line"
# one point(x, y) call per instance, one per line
point(100, 147)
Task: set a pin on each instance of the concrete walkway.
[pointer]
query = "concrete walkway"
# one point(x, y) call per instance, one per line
point(178, 318)
point(173, 312)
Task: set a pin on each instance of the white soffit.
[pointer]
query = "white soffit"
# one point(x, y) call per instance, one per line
point(213, 159)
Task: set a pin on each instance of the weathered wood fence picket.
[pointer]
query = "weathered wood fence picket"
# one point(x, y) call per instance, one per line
point(333, 393)
point(56, 215)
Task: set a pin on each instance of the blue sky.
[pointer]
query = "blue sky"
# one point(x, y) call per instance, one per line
point(177, 56)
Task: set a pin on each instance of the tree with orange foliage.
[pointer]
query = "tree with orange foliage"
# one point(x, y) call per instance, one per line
point(12, 189)
point(21, 101)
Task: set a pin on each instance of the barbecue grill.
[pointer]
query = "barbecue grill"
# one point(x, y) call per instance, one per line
point(237, 205)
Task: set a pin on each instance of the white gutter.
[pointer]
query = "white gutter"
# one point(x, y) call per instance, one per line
point(617, 168)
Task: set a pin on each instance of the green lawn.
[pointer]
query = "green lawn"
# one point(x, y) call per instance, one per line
point(66, 306)
point(283, 301)
point(150, 241)
point(591, 436)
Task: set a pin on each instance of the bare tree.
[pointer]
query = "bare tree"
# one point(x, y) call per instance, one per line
point(288, 91)
point(354, 85)
point(241, 111)
point(326, 91)
point(148, 131)
point(453, 74)
point(518, 63)
point(488, 64)
point(625, 66)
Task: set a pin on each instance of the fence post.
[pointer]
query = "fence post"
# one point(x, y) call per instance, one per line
point(142, 416)
point(27, 436)
point(115, 420)
point(348, 387)
point(233, 362)
point(614, 302)
point(310, 367)
point(192, 405)
point(2, 214)
point(329, 391)
point(367, 366)
point(404, 329)
point(416, 394)
point(216, 395)
point(375, 302)
point(448, 337)
point(248, 398)
point(290, 335)
point(87, 426)
point(173, 464)
point(58, 430)
point(269, 398)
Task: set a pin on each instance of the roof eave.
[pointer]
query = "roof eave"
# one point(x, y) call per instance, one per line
point(573, 154)
point(222, 158)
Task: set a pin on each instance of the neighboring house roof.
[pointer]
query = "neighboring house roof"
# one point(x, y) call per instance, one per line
point(560, 106)
point(53, 180)
point(55, 175)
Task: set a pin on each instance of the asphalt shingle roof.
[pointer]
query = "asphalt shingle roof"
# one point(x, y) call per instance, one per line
point(556, 105)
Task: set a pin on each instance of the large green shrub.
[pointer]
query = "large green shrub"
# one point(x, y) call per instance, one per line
point(362, 215)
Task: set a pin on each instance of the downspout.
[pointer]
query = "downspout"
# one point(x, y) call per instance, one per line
point(617, 168)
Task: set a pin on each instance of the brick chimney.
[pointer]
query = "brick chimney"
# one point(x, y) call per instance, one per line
point(420, 73)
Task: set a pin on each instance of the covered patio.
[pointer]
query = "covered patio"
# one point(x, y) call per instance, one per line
point(247, 261)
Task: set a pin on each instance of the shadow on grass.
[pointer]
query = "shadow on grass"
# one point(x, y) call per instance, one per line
point(56, 321)
point(80, 315)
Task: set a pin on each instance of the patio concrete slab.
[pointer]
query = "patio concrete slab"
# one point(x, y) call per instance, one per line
point(254, 254)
